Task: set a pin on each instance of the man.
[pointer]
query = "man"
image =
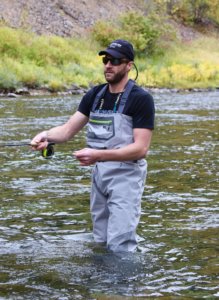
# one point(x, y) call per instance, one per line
point(120, 118)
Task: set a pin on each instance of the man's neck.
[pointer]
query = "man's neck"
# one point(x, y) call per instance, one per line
point(118, 87)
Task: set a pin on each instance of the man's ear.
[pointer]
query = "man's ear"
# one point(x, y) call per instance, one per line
point(129, 65)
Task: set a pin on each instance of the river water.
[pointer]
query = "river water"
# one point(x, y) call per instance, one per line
point(46, 247)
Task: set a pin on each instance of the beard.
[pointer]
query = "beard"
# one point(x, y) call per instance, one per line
point(114, 78)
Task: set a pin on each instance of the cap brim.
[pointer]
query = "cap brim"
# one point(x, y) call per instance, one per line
point(113, 53)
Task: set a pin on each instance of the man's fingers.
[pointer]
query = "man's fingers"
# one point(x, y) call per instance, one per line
point(38, 145)
point(79, 153)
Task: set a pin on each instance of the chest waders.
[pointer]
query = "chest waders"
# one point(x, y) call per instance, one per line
point(117, 187)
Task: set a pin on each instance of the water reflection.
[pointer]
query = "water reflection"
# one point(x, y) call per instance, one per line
point(46, 245)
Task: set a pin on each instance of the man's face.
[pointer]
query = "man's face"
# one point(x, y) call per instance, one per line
point(115, 73)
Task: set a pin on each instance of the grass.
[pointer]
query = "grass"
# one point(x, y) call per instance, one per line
point(56, 63)
point(191, 65)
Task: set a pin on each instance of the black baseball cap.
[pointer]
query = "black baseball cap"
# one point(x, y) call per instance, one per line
point(119, 49)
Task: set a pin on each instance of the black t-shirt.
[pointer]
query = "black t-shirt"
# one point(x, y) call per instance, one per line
point(139, 105)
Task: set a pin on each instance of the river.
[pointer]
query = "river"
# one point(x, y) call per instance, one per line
point(46, 247)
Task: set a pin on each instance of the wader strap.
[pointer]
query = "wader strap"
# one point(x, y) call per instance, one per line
point(125, 95)
point(99, 96)
point(123, 100)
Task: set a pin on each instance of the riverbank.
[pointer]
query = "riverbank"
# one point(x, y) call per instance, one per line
point(76, 90)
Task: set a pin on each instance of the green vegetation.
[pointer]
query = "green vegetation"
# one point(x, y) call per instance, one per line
point(49, 61)
point(162, 58)
point(192, 12)
point(143, 32)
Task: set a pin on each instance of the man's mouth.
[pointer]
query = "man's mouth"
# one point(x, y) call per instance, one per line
point(109, 72)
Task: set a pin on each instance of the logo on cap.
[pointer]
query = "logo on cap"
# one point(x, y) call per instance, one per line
point(114, 45)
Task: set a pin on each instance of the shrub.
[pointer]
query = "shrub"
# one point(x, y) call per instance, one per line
point(8, 80)
point(55, 85)
point(192, 11)
point(10, 43)
point(105, 32)
point(141, 30)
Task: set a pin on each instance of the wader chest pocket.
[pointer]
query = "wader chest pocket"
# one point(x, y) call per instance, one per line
point(101, 128)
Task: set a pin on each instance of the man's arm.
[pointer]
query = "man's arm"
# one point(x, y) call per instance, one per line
point(137, 150)
point(61, 133)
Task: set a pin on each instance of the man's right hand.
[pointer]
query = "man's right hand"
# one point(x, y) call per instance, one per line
point(39, 142)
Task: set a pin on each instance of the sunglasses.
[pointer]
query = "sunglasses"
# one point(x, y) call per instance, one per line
point(114, 61)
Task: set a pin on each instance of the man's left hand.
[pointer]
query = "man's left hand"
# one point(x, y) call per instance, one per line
point(86, 156)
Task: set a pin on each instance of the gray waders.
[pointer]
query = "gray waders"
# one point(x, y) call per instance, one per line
point(117, 187)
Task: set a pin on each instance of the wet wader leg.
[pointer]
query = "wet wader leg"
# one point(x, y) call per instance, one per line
point(125, 192)
point(99, 209)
